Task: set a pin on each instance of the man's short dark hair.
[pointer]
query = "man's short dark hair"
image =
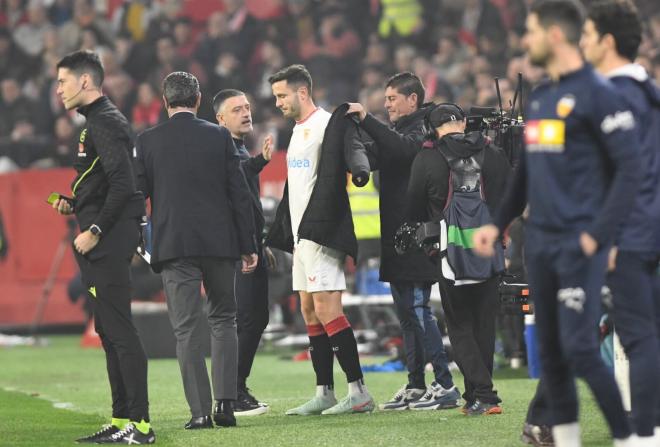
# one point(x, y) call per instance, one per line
point(296, 75)
point(567, 14)
point(620, 19)
point(224, 95)
point(83, 61)
point(408, 83)
point(180, 89)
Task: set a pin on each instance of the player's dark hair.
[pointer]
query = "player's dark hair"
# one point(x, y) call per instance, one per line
point(296, 75)
point(224, 95)
point(567, 14)
point(81, 62)
point(408, 83)
point(620, 19)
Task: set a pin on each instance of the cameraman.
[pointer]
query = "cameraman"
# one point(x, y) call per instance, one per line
point(471, 308)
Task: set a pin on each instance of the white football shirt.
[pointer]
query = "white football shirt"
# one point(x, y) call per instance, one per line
point(302, 159)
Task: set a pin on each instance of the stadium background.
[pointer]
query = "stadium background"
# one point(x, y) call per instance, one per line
point(350, 46)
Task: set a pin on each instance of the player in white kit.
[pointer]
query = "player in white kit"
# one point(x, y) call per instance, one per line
point(318, 271)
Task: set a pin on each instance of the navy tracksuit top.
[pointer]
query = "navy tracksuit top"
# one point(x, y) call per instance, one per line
point(581, 160)
point(640, 232)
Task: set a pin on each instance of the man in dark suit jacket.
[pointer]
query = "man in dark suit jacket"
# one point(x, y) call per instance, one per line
point(202, 222)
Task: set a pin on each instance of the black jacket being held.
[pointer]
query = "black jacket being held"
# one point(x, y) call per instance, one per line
point(327, 220)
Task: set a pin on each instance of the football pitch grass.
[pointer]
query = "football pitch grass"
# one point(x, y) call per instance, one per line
point(51, 395)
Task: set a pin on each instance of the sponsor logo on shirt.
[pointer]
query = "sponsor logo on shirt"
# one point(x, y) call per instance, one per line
point(545, 136)
point(565, 105)
point(81, 143)
point(618, 121)
point(299, 163)
point(573, 298)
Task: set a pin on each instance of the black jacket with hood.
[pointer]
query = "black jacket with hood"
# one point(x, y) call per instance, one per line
point(429, 178)
point(327, 220)
point(395, 149)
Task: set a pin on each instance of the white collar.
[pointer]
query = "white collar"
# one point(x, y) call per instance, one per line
point(635, 71)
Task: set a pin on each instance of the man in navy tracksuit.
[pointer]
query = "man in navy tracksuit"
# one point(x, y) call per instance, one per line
point(611, 37)
point(579, 177)
point(232, 110)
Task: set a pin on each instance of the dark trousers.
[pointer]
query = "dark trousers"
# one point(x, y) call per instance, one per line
point(538, 412)
point(420, 333)
point(252, 315)
point(106, 269)
point(182, 281)
point(635, 323)
point(566, 287)
point(470, 311)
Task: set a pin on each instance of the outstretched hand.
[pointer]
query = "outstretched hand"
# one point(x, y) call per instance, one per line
point(267, 149)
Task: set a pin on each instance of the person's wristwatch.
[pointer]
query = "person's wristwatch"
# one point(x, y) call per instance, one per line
point(95, 230)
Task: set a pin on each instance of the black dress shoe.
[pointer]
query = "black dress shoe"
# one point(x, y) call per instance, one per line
point(200, 422)
point(223, 414)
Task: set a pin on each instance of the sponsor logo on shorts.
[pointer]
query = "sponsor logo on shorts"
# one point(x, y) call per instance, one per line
point(573, 298)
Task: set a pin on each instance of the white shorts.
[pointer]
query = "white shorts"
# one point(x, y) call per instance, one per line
point(317, 268)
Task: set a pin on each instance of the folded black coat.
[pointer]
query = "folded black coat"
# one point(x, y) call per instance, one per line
point(327, 220)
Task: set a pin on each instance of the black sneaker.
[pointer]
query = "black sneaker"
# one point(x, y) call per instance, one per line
point(223, 413)
point(537, 435)
point(131, 435)
point(247, 405)
point(478, 408)
point(105, 433)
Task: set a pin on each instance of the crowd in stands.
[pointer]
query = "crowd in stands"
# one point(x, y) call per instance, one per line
point(350, 46)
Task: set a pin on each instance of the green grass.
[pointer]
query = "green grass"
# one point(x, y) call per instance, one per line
point(35, 378)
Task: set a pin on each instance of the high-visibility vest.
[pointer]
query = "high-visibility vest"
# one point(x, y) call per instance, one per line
point(402, 15)
point(364, 207)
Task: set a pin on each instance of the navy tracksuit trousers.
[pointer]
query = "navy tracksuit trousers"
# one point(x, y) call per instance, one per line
point(566, 286)
point(635, 323)
point(251, 315)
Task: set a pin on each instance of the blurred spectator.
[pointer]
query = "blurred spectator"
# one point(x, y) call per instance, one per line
point(30, 35)
point(213, 41)
point(183, 37)
point(400, 19)
point(13, 61)
point(84, 17)
point(16, 111)
point(117, 84)
point(12, 13)
point(147, 111)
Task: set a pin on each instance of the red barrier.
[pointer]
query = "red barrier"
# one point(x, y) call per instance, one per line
point(34, 231)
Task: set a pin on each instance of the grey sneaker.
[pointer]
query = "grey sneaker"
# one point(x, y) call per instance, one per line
point(361, 403)
point(403, 398)
point(437, 398)
point(315, 406)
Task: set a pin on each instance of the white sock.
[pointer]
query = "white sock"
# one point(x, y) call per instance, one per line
point(644, 441)
point(325, 391)
point(630, 441)
point(567, 435)
point(357, 388)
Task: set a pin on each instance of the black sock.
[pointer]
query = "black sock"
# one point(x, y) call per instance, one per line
point(345, 348)
point(322, 358)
